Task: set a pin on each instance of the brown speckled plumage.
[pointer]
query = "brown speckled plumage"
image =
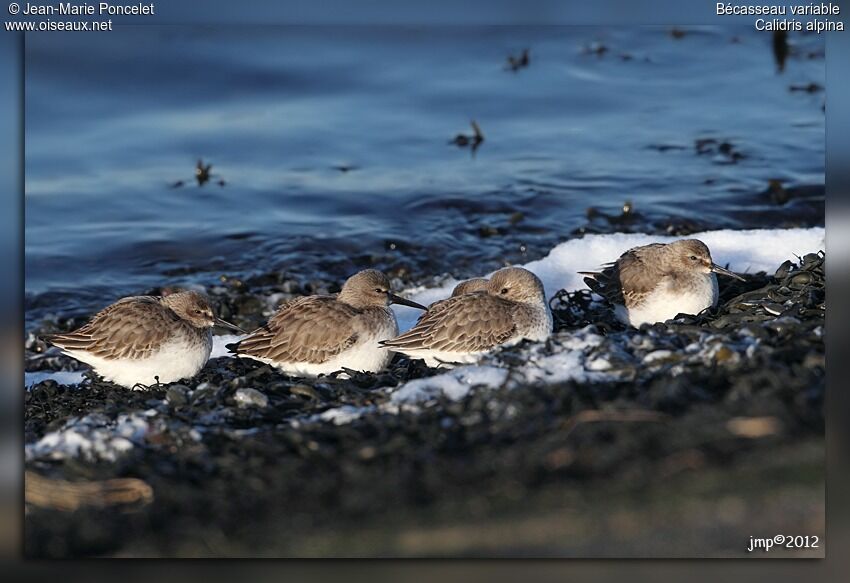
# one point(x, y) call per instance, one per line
point(639, 271)
point(656, 282)
point(134, 328)
point(310, 329)
point(510, 306)
point(144, 339)
point(468, 323)
point(470, 285)
point(318, 334)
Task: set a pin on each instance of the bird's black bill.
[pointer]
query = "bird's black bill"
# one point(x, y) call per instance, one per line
point(224, 324)
point(394, 299)
point(723, 271)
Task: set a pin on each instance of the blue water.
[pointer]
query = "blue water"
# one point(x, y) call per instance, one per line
point(113, 120)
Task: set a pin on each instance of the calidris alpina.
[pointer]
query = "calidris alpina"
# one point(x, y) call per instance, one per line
point(469, 286)
point(464, 287)
point(141, 340)
point(463, 327)
point(656, 282)
point(315, 335)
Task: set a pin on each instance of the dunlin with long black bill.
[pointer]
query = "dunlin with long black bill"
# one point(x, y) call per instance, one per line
point(315, 335)
point(464, 327)
point(142, 340)
point(657, 282)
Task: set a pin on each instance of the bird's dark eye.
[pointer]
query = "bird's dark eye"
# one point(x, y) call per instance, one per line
point(693, 257)
point(379, 290)
point(198, 312)
point(504, 290)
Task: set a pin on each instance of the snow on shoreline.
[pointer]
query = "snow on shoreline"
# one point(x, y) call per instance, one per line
point(92, 437)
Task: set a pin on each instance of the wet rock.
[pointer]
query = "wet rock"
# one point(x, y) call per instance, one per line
point(784, 269)
point(659, 357)
point(249, 305)
point(177, 395)
point(204, 391)
point(250, 398)
point(799, 281)
point(725, 355)
point(305, 391)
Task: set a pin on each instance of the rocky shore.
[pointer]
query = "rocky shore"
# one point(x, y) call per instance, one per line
point(605, 441)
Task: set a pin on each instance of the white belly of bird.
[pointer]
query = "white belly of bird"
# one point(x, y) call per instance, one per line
point(176, 360)
point(664, 304)
point(538, 330)
point(366, 355)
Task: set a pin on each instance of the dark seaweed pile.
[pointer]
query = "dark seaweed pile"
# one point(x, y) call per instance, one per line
point(701, 428)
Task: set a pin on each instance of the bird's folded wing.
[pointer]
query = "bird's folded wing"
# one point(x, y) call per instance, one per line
point(133, 327)
point(467, 323)
point(311, 329)
point(629, 279)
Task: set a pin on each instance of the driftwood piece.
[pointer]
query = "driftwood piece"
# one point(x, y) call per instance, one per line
point(69, 496)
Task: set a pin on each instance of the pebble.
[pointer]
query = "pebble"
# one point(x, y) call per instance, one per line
point(203, 391)
point(774, 309)
point(305, 391)
point(250, 398)
point(658, 356)
point(177, 395)
point(724, 353)
point(598, 364)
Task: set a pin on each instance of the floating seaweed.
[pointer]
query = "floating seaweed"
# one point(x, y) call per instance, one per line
point(724, 151)
point(780, 49)
point(472, 141)
point(203, 174)
point(516, 63)
point(807, 88)
point(595, 48)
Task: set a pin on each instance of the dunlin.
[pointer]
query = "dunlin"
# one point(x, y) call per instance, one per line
point(315, 335)
point(469, 286)
point(141, 340)
point(656, 282)
point(465, 287)
point(462, 328)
